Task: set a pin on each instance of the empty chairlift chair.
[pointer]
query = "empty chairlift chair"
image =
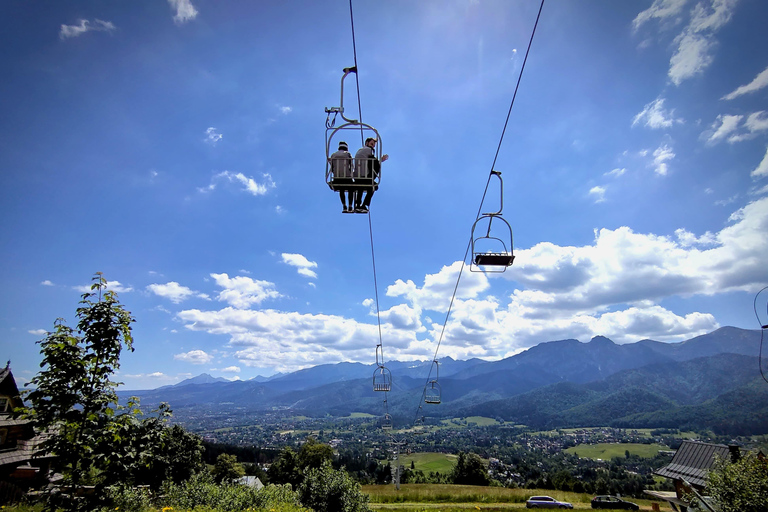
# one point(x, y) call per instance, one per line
point(432, 392)
point(382, 377)
point(490, 252)
point(386, 422)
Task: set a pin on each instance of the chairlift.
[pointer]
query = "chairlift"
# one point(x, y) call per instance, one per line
point(433, 392)
point(386, 422)
point(490, 252)
point(382, 377)
point(339, 172)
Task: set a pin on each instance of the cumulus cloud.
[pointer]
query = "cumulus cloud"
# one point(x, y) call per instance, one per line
point(243, 292)
point(249, 184)
point(722, 127)
point(654, 116)
point(302, 264)
point(231, 369)
point(761, 170)
point(115, 286)
point(660, 157)
point(696, 42)
point(661, 10)
point(185, 11)
point(212, 136)
point(84, 26)
point(174, 292)
point(286, 110)
point(194, 357)
point(612, 286)
point(46, 283)
point(598, 194)
point(38, 332)
point(760, 81)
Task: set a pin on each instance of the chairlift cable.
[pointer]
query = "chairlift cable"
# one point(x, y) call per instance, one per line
point(370, 225)
point(763, 327)
point(480, 209)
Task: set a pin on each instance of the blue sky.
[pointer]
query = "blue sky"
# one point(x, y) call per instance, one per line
point(178, 147)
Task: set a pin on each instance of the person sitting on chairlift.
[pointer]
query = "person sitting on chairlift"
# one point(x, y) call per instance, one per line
point(367, 169)
point(341, 167)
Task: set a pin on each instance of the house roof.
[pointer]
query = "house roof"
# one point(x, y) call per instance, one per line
point(692, 461)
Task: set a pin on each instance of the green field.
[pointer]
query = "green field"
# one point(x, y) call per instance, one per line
point(361, 415)
point(481, 421)
point(454, 498)
point(426, 462)
point(607, 451)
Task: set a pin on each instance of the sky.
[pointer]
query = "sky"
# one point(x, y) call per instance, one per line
point(179, 148)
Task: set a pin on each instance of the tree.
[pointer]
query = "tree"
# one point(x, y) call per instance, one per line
point(325, 489)
point(313, 454)
point(227, 469)
point(74, 399)
point(470, 470)
point(95, 440)
point(740, 486)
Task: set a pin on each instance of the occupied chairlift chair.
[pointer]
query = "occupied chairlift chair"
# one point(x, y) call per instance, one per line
point(433, 392)
point(492, 261)
point(382, 377)
point(334, 134)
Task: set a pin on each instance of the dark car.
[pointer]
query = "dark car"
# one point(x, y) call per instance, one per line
point(613, 503)
point(546, 502)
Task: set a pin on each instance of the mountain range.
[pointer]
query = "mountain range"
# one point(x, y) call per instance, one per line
point(710, 381)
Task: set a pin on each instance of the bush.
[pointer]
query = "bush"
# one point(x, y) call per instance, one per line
point(325, 489)
point(201, 492)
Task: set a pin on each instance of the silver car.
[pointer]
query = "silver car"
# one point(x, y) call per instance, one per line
point(546, 502)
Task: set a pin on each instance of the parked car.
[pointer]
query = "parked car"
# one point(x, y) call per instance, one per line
point(613, 503)
point(546, 502)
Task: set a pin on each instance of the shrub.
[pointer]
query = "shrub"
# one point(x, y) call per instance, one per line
point(325, 489)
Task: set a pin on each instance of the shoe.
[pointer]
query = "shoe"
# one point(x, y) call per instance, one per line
point(362, 209)
point(348, 210)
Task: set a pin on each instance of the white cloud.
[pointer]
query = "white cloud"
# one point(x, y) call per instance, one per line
point(243, 292)
point(38, 332)
point(249, 184)
point(185, 11)
point(598, 193)
point(697, 41)
point(655, 116)
point(660, 9)
point(612, 286)
point(174, 292)
point(286, 110)
point(727, 201)
point(212, 136)
point(231, 369)
point(302, 264)
point(616, 172)
point(279, 209)
point(660, 157)
point(115, 286)
point(84, 26)
point(46, 283)
point(757, 121)
point(761, 170)
point(722, 127)
point(194, 357)
point(760, 81)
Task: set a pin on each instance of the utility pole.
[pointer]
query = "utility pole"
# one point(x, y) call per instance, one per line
point(396, 447)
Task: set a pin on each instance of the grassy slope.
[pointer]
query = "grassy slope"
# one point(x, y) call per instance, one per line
point(606, 451)
point(449, 498)
point(426, 462)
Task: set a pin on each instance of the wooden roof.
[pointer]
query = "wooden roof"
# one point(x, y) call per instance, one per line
point(692, 461)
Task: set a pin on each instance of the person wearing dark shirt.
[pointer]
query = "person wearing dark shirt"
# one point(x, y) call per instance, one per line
point(341, 169)
point(367, 169)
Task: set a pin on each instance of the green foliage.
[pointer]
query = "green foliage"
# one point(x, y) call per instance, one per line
point(285, 469)
point(325, 489)
point(128, 498)
point(95, 441)
point(740, 486)
point(470, 470)
point(289, 467)
point(313, 454)
point(202, 493)
point(227, 469)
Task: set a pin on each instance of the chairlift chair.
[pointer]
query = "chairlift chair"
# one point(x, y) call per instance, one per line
point(497, 260)
point(433, 392)
point(386, 422)
point(344, 170)
point(382, 377)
